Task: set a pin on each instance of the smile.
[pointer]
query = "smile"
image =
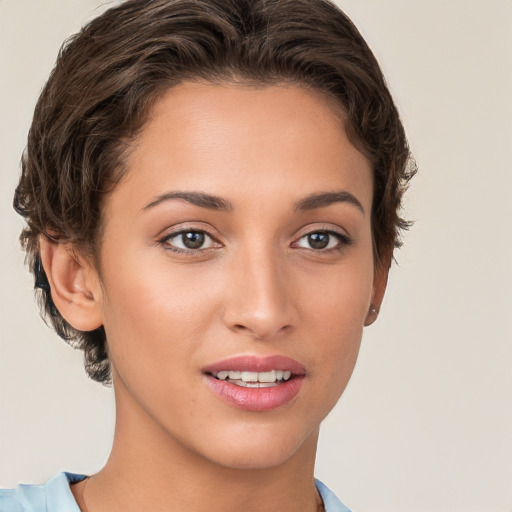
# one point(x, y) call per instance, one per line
point(254, 379)
point(256, 383)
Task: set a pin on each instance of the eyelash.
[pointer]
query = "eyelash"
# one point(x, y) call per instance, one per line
point(343, 241)
point(169, 236)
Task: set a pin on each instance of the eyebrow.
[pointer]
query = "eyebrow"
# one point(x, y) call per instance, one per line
point(196, 198)
point(323, 199)
point(311, 202)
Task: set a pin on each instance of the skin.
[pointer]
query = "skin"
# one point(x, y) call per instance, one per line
point(256, 287)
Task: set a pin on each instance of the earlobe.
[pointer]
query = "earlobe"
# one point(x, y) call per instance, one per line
point(74, 285)
point(380, 280)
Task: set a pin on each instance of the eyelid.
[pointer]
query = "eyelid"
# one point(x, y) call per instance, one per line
point(344, 238)
point(324, 228)
point(176, 231)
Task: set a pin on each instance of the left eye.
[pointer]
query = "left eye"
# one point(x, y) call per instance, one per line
point(190, 240)
point(320, 240)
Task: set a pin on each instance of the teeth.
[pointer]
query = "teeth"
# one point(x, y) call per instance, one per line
point(250, 376)
point(267, 376)
point(254, 377)
point(243, 384)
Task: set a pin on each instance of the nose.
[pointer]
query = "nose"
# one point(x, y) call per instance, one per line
point(260, 295)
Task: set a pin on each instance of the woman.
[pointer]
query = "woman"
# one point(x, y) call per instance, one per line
point(212, 194)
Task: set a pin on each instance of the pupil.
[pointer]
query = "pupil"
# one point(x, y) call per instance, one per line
point(318, 240)
point(193, 239)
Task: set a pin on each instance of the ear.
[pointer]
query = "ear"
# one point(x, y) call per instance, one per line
point(74, 284)
point(380, 280)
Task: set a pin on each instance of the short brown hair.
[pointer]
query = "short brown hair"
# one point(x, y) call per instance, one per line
point(109, 75)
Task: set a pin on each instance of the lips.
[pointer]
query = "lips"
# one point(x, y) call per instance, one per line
point(257, 364)
point(254, 383)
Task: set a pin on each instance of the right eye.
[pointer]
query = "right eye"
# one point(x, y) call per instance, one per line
point(188, 240)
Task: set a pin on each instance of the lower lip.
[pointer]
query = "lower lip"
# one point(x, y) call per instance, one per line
point(256, 399)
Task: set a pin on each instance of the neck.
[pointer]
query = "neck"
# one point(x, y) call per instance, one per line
point(148, 469)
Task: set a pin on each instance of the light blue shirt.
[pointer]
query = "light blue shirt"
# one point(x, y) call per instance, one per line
point(56, 496)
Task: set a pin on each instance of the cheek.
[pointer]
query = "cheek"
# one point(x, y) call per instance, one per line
point(338, 310)
point(338, 333)
point(153, 324)
point(339, 297)
point(146, 307)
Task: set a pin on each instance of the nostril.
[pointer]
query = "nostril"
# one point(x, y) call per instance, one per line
point(244, 329)
point(261, 334)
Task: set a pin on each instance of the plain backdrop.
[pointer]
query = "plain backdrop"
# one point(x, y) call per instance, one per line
point(426, 422)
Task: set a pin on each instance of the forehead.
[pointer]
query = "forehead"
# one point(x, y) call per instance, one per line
point(236, 138)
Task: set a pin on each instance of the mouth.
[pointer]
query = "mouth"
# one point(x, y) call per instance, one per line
point(254, 379)
point(254, 383)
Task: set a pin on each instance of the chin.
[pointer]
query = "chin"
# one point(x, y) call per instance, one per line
point(261, 448)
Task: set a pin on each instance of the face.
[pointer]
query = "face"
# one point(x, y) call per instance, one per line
point(237, 270)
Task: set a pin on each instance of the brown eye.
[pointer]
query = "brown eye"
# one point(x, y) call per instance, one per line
point(193, 239)
point(323, 240)
point(189, 240)
point(318, 240)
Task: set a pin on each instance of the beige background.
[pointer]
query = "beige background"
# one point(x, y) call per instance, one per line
point(426, 422)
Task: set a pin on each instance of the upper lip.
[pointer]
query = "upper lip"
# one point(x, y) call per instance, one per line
point(251, 363)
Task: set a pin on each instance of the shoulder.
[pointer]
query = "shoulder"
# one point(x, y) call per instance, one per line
point(331, 501)
point(53, 496)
